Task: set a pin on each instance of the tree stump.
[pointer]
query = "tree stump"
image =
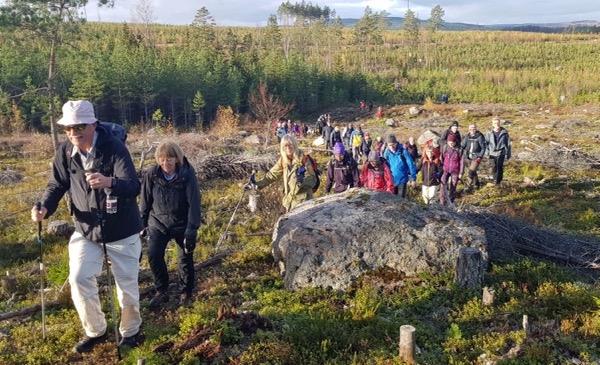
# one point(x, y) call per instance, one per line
point(488, 296)
point(407, 344)
point(9, 283)
point(469, 268)
point(526, 324)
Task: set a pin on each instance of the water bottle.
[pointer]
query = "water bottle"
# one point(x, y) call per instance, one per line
point(111, 204)
point(253, 198)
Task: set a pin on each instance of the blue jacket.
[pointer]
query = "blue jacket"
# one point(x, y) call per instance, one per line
point(400, 167)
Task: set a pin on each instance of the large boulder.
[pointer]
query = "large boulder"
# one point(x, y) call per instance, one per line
point(331, 241)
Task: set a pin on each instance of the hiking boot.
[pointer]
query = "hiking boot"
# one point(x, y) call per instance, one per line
point(185, 299)
point(159, 298)
point(88, 343)
point(132, 341)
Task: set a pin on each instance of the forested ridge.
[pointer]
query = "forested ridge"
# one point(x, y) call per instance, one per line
point(181, 74)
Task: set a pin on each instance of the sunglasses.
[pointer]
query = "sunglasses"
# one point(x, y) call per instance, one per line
point(76, 127)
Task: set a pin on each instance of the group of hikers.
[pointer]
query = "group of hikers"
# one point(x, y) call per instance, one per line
point(390, 165)
point(94, 168)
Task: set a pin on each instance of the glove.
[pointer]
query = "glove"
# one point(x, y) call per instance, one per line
point(478, 159)
point(189, 244)
point(301, 171)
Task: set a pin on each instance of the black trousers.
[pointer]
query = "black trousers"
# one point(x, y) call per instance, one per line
point(157, 245)
point(497, 168)
point(400, 189)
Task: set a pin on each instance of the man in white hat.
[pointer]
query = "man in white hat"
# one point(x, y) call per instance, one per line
point(92, 165)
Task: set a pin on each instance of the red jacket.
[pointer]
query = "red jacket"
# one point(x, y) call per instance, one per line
point(378, 178)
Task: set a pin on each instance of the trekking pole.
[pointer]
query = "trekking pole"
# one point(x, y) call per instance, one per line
point(224, 233)
point(100, 217)
point(39, 238)
point(447, 196)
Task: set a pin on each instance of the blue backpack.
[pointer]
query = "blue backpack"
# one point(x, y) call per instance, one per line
point(117, 130)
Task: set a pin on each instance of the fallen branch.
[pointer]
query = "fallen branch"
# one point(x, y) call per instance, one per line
point(28, 310)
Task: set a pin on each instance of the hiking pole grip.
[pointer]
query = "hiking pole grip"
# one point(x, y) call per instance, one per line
point(38, 206)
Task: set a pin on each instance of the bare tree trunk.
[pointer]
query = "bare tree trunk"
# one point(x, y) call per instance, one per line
point(52, 106)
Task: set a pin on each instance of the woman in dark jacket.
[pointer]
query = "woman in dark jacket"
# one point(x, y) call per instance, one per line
point(431, 171)
point(170, 209)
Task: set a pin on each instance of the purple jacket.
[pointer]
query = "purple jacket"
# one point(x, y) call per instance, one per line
point(452, 161)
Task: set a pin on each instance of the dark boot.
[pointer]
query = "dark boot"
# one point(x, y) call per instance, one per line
point(477, 183)
point(159, 298)
point(88, 343)
point(132, 341)
point(469, 185)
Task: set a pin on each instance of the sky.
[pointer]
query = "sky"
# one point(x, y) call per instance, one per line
point(256, 12)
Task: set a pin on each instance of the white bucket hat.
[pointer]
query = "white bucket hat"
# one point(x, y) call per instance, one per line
point(77, 112)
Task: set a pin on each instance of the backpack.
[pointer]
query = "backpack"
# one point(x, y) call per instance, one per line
point(386, 155)
point(356, 139)
point(315, 169)
point(117, 130)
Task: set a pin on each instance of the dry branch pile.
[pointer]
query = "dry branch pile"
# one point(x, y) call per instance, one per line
point(559, 156)
point(209, 167)
point(10, 177)
point(507, 234)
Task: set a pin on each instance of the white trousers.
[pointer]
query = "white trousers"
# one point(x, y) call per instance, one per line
point(85, 264)
point(430, 193)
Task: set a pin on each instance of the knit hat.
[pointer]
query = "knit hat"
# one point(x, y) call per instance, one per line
point(374, 156)
point(451, 137)
point(77, 112)
point(392, 139)
point(454, 123)
point(338, 148)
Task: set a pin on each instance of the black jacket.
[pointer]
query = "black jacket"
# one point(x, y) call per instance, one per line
point(473, 146)
point(172, 207)
point(335, 137)
point(430, 172)
point(112, 159)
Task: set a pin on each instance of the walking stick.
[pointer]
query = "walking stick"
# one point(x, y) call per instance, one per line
point(100, 217)
point(39, 238)
point(224, 233)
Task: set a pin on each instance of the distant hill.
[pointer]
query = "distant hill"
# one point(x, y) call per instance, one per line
point(576, 26)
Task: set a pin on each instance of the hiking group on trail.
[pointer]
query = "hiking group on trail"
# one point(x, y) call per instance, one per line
point(388, 165)
point(94, 170)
